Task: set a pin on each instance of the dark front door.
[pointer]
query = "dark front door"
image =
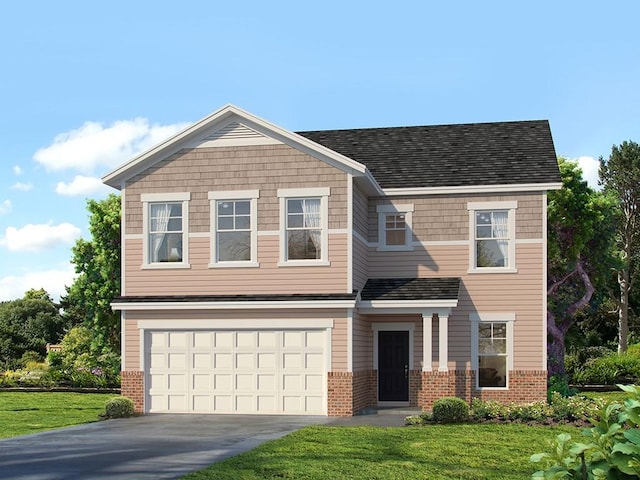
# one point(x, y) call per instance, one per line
point(393, 366)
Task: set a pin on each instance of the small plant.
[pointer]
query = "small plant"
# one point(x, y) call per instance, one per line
point(612, 450)
point(450, 410)
point(119, 407)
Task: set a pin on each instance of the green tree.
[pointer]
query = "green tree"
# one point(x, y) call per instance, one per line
point(620, 177)
point(97, 263)
point(579, 228)
point(28, 324)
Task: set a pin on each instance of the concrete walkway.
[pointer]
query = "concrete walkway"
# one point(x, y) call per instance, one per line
point(154, 446)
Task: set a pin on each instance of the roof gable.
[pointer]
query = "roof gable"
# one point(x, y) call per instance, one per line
point(231, 125)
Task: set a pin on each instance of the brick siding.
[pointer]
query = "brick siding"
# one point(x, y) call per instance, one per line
point(132, 386)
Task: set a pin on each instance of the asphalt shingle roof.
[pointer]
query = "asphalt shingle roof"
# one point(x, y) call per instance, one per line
point(497, 153)
point(411, 289)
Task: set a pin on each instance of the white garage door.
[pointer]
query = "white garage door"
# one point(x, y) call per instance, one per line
point(261, 372)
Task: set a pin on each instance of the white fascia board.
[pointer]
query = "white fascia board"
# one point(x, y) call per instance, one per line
point(225, 115)
point(509, 188)
point(417, 305)
point(308, 304)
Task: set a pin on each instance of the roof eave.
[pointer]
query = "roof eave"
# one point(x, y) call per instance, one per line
point(464, 189)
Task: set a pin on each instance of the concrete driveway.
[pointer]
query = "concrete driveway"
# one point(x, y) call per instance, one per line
point(148, 447)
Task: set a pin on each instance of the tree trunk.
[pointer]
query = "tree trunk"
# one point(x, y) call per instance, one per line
point(558, 331)
point(623, 310)
point(555, 348)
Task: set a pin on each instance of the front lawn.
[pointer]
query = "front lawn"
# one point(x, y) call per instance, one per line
point(434, 452)
point(29, 412)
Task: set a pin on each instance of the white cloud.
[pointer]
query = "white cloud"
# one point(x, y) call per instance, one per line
point(94, 146)
point(18, 170)
point(53, 281)
point(82, 185)
point(589, 166)
point(5, 207)
point(36, 238)
point(25, 187)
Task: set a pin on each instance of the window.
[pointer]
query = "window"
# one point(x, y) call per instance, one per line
point(304, 219)
point(394, 227)
point(492, 348)
point(233, 216)
point(492, 230)
point(165, 229)
point(492, 354)
point(304, 229)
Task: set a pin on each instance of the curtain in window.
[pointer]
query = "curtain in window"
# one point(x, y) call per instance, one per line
point(311, 210)
point(159, 226)
point(501, 232)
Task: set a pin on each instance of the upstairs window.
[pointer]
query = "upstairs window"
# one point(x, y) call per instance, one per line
point(492, 234)
point(234, 240)
point(304, 229)
point(394, 227)
point(304, 223)
point(492, 238)
point(166, 229)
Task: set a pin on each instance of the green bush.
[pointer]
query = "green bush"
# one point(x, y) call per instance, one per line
point(450, 410)
point(609, 370)
point(612, 450)
point(119, 407)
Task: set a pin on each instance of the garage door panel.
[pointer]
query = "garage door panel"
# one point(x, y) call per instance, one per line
point(178, 339)
point(264, 372)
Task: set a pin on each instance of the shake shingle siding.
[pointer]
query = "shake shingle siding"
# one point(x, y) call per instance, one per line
point(450, 155)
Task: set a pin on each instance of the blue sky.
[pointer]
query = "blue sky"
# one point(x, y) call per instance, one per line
point(85, 86)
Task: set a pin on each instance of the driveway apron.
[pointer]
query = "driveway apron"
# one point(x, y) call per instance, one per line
point(147, 447)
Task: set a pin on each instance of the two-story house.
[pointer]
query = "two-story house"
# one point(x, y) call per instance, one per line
point(273, 272)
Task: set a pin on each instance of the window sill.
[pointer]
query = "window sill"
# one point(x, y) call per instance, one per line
point(234, 265)
point(166, 266)
point(399, 248)
point(305, 263)
point(483, 389)
point(493, 270)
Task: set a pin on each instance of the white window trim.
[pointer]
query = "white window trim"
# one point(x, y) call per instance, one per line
point(170, 197)
point(252, 196)
point(383, 211)
point(285, 194)
point(511, 207)
point(501, 317)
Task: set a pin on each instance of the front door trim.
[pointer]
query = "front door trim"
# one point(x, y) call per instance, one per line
point(392, 327)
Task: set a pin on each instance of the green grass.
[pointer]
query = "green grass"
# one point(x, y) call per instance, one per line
point(29, 412)
point(434, 452)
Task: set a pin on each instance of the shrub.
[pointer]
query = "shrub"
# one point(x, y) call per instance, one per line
point(609, 370)
point(450, 410)
point(119, 407)
point(488, 410)
point(560, 384)
point(611, 452)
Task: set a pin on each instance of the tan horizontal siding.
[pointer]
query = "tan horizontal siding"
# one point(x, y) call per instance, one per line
point(360, 272)
point(362, 343)
point(268, 278)
point(132, 345)
point(266, 168)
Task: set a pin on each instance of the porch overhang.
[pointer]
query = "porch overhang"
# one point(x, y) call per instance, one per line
point(430, 297)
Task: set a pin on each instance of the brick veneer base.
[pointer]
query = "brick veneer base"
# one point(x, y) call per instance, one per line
point(350, 392)
point(132, 386)
point(524, 386)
